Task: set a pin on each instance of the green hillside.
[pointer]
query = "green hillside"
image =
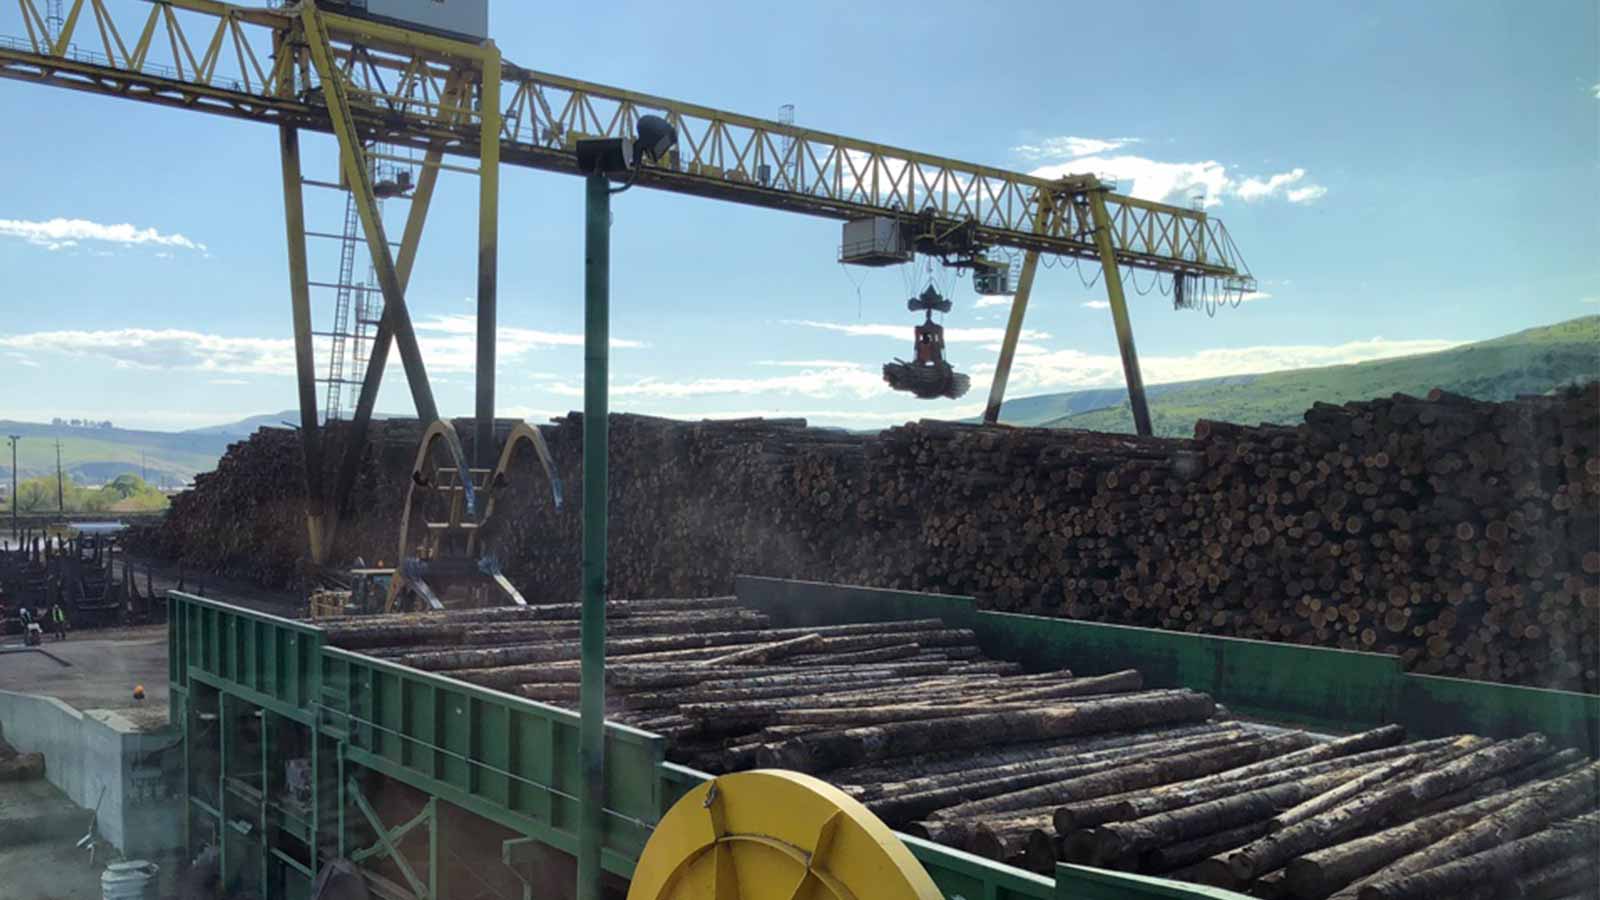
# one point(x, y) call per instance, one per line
point(99, 455)
point(1043, 409)
point(1527, 362)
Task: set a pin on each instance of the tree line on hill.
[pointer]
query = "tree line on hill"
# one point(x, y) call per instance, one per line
point(125, 493)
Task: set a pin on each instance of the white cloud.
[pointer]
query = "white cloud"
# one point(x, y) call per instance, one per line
point(1252, 189)
point(58, 233)
point(1073, 369)
point(1161, 181)
point(1595, 90)
point(1253, 296)
point(904, 333)
point(849, 418)
point(22, 360)
point(513, 338)
point(1149, 179)
point(1097, 304)
point(805, 363)
point(228, 381)
point(1590, 300)
point(1071, 147)
point(447, 347)
point(169, 348)
point(987, 300)
point(449, 342)
point(829, 380)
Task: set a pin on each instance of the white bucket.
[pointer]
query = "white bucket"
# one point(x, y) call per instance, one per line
point(132, 880)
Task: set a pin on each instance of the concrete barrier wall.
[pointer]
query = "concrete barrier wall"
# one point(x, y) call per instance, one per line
point(99, 758)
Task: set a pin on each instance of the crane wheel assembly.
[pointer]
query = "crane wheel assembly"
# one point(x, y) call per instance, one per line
point(775, 835)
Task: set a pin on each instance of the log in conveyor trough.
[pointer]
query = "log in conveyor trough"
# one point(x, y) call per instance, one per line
point(435, 754)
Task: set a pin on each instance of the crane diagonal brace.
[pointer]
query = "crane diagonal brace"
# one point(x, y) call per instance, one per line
point(357, 176)
point(722, 155)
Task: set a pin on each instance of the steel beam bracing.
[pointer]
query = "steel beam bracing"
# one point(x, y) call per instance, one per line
point(723, 155)
point(216, 57)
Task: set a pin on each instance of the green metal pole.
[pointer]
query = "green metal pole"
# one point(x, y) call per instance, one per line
point(592, 696)
point(16, 536)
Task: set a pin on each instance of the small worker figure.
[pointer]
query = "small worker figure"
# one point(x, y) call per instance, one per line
point(58, 622)
point(25, 617)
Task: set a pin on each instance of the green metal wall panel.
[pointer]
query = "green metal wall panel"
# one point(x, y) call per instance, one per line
point(264, 655)
point(1083, 883)
point(515, 762)
point(1432, 706)
point(509, 759)
point(1337, 690)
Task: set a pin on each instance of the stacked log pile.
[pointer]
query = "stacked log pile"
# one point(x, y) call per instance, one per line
point(1029, 768)
point(1459, 535)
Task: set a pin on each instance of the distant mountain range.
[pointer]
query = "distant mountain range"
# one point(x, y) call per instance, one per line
point(1528, 362)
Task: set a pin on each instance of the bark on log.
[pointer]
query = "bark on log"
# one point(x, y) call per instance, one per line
point(1140, 774)
point(1186, 853)
point(1320, 873)
point(1498, 865)
point(830, 750)
point(962, 796)
point(1536, 805)
point(766, 652)
point(1272, 851)
point(1136, 805)
point(1113, 841)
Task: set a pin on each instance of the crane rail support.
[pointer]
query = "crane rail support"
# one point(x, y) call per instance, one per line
point(216, 57)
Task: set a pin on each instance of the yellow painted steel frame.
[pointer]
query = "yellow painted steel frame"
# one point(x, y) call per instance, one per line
point(463, 505)
point(521, 433)
point(393, 274)
point(1019, 309)
point(357, 177)
point(1112, 272)
point(720, 154)
point(775, 835)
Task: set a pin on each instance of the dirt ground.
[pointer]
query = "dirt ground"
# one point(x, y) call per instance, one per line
point(95, 670)
point(39, 828)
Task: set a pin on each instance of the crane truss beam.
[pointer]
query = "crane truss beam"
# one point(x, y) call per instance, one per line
point(720, 155)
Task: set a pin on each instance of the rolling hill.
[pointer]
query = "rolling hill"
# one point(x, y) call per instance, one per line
point(98, 455)
point(1534, 361)
point(1528, 362)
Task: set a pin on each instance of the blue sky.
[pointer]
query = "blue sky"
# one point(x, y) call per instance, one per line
point(1400, 176)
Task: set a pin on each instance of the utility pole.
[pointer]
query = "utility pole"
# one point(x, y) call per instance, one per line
point(15, 533)
point(61, 489)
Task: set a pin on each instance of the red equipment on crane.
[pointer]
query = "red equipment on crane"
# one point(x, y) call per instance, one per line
point(928, 376)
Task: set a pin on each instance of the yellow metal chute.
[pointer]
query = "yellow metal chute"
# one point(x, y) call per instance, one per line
point(775, 835)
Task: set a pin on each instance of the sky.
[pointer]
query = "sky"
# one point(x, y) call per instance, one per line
point(1400, 177)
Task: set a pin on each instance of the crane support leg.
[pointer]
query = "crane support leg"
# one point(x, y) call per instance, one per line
point(1119, 312)
point(294, 217)
point(488, 256)
point(356, 434)
point(353, 161)
point(1019, 309)
point(378, 358)
point(1008, 347)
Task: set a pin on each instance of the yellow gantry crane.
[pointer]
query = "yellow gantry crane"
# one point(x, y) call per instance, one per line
point(333, 67)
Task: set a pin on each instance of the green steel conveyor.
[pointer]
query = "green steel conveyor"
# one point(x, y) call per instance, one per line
point(281, 732)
